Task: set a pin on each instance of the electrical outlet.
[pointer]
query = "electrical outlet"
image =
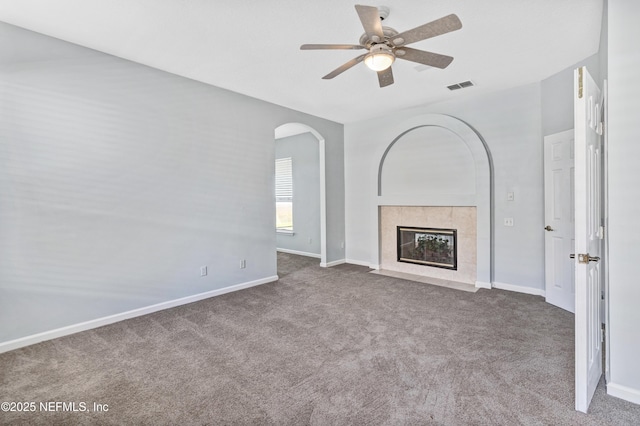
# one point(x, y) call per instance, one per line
point(508, 221)
point(510, 196)
point(243, 264)
point(203, 271)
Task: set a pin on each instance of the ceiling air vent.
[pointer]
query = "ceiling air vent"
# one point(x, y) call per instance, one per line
point(462, 85)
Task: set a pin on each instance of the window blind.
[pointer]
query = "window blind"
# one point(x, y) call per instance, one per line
point(284, 180)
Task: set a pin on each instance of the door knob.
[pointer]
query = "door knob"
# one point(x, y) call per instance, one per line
point(585, 258)
point(548, 228)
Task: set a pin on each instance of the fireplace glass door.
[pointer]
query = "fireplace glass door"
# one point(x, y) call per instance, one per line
point(428, 246)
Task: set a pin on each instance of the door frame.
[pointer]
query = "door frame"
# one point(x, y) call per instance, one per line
point(605, 220)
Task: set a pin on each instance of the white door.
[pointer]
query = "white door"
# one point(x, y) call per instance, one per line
point(588, 233)
point(559, 219)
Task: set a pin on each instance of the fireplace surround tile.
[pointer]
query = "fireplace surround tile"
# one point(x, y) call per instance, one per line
point(429, 280)
point(388, 234)
point(463, 219)
point(466, 219)
point(440, 217)
point(468, 253)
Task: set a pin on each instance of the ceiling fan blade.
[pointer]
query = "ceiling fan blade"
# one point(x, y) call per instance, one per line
point(331, 47)
point(423, 57)
point(342, 68)
point(434, 28)
point(370, 18)
point(385, 77)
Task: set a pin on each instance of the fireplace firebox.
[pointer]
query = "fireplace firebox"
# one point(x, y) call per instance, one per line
point(428, 246)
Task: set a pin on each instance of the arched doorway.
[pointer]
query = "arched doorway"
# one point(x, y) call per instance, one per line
point(293, 129)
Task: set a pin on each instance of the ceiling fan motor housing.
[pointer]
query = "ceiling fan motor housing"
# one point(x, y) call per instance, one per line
point(388, 32)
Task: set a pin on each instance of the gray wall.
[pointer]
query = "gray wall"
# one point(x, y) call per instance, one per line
point(118, 181)
point(557, 96)
point(305, 157)
point(429, 161)
point(624, 198)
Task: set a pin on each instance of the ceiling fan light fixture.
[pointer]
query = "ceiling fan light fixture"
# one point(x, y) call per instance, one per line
point(379, 58)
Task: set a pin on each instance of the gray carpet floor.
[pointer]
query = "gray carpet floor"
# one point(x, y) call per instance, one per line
point(332, 346)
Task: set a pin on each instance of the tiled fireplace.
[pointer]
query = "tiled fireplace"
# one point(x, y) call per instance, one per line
point(450, 230)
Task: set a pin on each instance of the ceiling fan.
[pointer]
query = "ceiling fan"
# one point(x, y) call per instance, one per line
point(385, 45)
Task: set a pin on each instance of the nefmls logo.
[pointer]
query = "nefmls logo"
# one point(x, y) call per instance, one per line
point(63, 406)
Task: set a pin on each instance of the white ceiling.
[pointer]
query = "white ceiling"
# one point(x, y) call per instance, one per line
point(252, 46)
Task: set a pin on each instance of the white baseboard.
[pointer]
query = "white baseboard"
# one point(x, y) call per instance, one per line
point(299, 253)
point(358, 262)
point(334, 263)
point(482, 284)
point(99, 322)
point(520, 289)
point(624, 392)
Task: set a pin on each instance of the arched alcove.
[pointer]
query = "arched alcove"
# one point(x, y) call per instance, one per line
point(427, 161)
point(292, 129)
point(438, 162)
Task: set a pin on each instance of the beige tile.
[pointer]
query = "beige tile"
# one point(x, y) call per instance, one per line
point(468, 277)
point(387, 256)
point(467, 248)
point(466, 273)
point(413, 216)
point(465, 286)
point(439, 217)
point(392, 214)
point(432, 280)
point(457, 285)
point(389, 219)
point(465, 221)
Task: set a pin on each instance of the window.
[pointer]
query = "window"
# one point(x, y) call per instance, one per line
point(284, 195)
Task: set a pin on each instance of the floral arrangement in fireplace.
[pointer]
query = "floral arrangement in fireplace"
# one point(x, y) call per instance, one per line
point(431, 247)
